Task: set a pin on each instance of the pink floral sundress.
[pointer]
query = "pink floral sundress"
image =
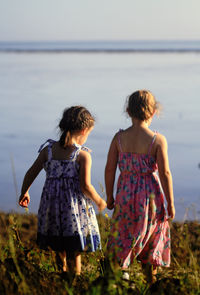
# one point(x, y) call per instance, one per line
point(139, 225)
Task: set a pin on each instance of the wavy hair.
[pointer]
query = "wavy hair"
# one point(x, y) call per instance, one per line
point(142, 105)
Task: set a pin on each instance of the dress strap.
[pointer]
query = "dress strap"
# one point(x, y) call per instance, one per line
point(151, 145)
point(50, 141)
point(119, 140)
point(77, 150)
point(84, 148)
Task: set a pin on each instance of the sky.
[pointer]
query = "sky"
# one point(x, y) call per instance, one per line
point(25, 20)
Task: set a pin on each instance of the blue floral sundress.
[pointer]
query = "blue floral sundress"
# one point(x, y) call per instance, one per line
point(66, 217)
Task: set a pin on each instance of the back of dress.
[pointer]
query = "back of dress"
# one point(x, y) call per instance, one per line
point(139, 211)
point(66, 217)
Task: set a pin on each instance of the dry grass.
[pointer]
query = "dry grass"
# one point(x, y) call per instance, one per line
point(25, 269)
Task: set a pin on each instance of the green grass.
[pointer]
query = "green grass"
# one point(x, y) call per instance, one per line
point(25, 269)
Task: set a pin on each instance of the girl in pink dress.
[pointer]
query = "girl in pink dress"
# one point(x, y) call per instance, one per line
point(140, 226)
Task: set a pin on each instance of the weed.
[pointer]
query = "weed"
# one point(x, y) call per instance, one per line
point(25, 269)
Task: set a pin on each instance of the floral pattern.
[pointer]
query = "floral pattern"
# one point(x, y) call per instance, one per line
point(139, 225)
point(66, 217)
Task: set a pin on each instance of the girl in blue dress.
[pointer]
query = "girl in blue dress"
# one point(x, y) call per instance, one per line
point(66, 218)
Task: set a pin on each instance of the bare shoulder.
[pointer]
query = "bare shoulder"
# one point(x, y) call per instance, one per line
point(116, 136)
point(43, 155)
point(114, 146)
point(161, 141)
point(124, 132)
point(84, 156)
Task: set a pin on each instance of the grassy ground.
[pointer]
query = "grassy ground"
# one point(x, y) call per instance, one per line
point(25, 269)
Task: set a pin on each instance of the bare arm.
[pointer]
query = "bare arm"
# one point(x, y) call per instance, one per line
point(165, 174)
point(110, 171)
point(30, 176)
point(87, 188)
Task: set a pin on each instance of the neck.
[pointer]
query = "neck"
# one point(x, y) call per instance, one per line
point(139, 123)
point(76, 139)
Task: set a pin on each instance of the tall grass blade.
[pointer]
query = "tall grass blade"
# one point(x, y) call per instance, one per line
point(14, 179)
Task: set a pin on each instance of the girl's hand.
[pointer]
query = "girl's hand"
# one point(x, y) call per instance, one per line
point(101, 205)
point(110, 203)
point(171, 211)
point(24, 200)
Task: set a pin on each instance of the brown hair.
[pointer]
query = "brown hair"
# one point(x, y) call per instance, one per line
point(142, 105)
point(75, 118)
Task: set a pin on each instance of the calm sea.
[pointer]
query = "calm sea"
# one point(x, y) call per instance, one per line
point(39, 79)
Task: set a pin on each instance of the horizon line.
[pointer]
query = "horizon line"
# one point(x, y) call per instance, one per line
point(102, 40)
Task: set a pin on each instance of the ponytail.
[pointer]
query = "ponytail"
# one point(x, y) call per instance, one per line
point(65, 138)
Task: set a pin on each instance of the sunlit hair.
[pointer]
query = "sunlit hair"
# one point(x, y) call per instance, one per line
point(142, 105)
point(75, 118)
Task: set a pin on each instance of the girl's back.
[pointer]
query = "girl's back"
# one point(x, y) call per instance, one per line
point(60, 153)
point(137, 140)
point(138, 163)
point(60, 162)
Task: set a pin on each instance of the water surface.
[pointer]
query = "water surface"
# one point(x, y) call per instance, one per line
point(37, 86)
